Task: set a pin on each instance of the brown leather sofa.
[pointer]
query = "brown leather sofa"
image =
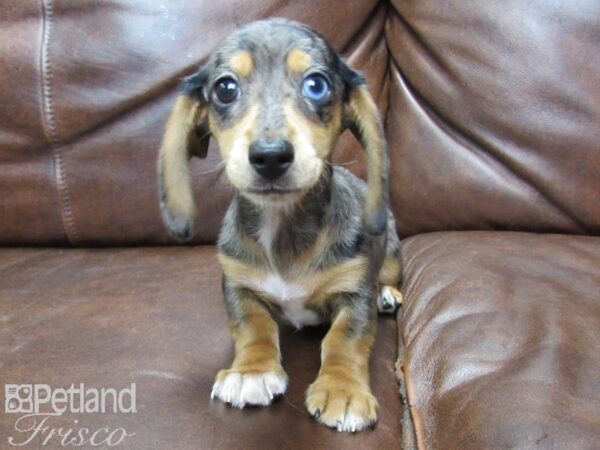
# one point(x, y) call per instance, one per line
point(492, 112)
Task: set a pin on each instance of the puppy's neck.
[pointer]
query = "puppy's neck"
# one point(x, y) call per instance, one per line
point(285, 230)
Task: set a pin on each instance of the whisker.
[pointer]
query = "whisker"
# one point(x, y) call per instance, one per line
point(217, 167)
point(347, 163)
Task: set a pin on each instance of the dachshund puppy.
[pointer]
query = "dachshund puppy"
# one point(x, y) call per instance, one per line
point(303, 242)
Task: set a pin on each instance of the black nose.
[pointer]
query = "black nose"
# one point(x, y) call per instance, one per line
point(271, 158)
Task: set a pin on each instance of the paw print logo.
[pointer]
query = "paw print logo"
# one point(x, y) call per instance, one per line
point(13, 405)
point(18, 398)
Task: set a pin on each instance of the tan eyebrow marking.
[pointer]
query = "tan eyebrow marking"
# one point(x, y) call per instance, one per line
point(298, 60)
point(242, 63)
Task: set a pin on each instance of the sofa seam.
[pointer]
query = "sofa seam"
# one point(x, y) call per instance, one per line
point(416, 418)
point(406, 379)
point(388, 68)
point(49, 126)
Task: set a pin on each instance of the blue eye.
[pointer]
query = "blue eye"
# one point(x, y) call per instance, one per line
point(315, 87)
point(227, 90)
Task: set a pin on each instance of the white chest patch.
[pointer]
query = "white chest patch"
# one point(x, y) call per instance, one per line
point(291, 297)
point(268, 231)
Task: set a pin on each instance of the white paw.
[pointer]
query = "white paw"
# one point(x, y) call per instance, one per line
point(352, 423)
point(251, 389)
point(388, 300)
point(344, 406)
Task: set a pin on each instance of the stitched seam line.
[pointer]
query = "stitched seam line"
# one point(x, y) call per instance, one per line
point(415, 427)
point(64, 198)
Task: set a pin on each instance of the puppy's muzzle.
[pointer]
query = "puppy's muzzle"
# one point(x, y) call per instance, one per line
point(271, 158)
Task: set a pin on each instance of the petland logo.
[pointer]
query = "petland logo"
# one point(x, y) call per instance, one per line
point(39, 403)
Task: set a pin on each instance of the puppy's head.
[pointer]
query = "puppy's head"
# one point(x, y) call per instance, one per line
point(275, 96)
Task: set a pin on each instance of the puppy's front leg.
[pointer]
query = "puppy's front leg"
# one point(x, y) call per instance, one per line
point(341, 397)
point(256, 375)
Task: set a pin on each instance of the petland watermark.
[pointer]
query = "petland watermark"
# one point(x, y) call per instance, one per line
point(39, 404)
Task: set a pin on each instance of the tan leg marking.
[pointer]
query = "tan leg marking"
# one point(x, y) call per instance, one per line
point(345, 277)
point(341, 397)
point(256, 375)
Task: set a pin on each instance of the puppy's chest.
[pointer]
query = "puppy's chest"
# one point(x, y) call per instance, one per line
point(297, 282)
point(291, 296)
point(300, 292)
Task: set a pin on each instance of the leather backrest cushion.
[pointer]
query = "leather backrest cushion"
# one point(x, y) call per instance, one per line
point(492, 119)
point(87, 89)
point(495, 115)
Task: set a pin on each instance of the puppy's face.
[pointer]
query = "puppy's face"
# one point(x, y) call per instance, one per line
point(274, 94)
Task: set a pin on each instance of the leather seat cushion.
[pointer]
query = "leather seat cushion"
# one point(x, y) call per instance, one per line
point(501, 334)
point(155, 317)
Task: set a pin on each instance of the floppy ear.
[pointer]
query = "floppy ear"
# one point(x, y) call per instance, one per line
point(186, 134)
point(362, 118)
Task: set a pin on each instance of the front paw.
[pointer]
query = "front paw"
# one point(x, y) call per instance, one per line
point(346, 406)
point(389, 300)
point(241, 389)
